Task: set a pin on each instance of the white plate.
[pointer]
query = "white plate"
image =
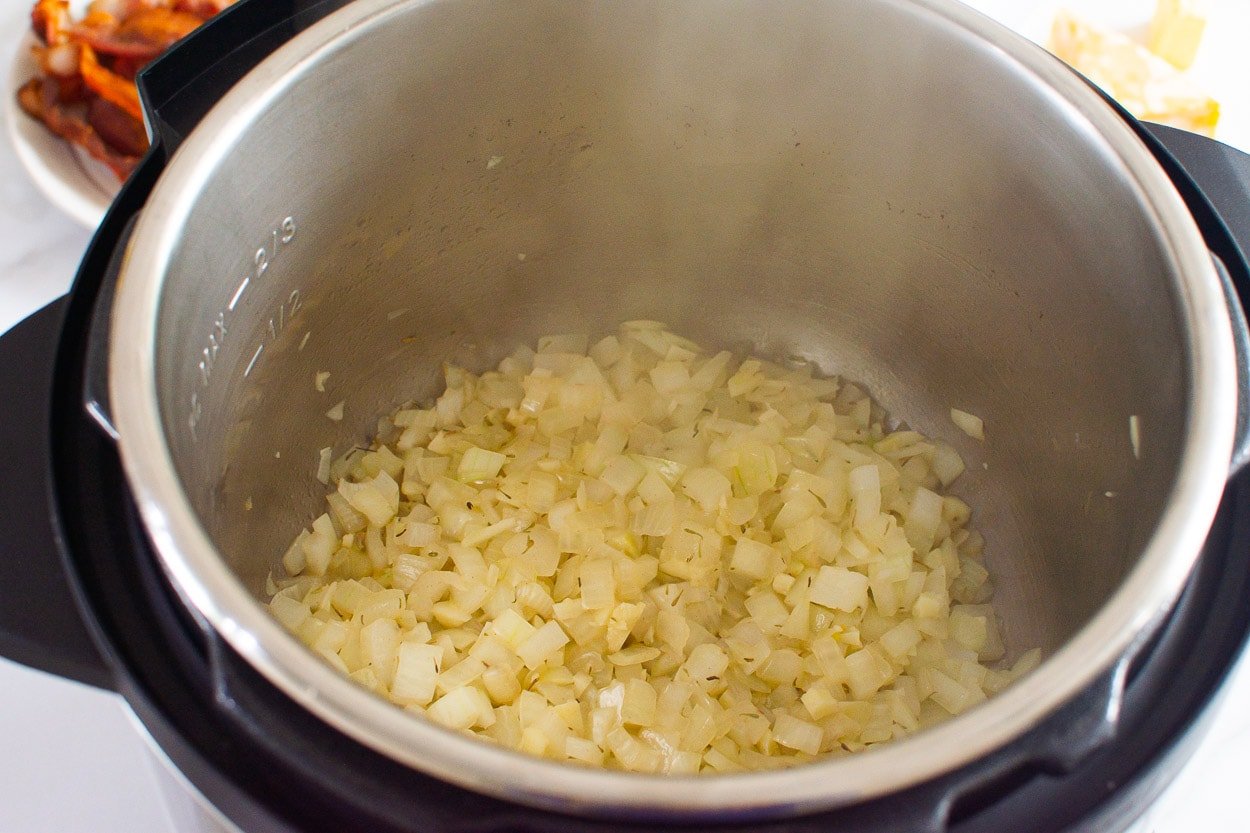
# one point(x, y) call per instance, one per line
point(74, 182)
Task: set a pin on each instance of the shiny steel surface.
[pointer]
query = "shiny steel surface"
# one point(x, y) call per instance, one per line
point(903, 192)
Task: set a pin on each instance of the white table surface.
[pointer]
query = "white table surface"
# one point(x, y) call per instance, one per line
point(73, 760)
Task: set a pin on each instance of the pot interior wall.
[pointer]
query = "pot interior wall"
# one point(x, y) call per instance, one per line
point(856, 183)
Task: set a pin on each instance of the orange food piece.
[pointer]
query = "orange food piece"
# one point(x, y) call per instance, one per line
point(143, 36)
point(203, 9)
point(86, 92)
point(108, 85)
point(50, 19)
point(163, 26)
point(118, 128)
point(40, 99)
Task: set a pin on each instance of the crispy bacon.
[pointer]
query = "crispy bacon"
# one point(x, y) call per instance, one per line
point(108, 85)
point(203, 9)
point(117, 127)
point(50, 18)
point(141, 37)
point(86, 93)
point(39, 98)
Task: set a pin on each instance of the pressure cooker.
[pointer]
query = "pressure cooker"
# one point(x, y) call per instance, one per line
point(899, 191)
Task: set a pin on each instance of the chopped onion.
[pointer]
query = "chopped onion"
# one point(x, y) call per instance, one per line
point(323, 464)
point(754, 559)
point(923, 519)
point(638, 555)
point(541, 645)
point(970, 424)
point(462, 708)
point(947, 464)
point(478, 464)
point(791, 732)
point(706, 487)
point(840, 589)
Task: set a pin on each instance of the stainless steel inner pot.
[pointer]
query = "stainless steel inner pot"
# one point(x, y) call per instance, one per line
point(902, 192)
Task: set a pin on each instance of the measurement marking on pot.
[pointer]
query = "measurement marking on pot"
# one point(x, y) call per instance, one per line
point(197, 411)
point(264, 257)
point(260, 348)
point(286, 311)
point(208, 356)
point(238, 293)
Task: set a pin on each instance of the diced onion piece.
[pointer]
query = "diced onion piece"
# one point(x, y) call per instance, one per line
point(583, 751)
point(638, 705)
point(982, 620)
point(753, 559)
point(462, 708)
point(756, 471)
point(672, 629)
point(478, 464)
point(510, 628)
point(633, 655)
point(742, 509)
point(706, 662)
point(597, 583)
point(923, 519)
point(706, 487)
point(294, 561)
point(288, 611)
point(947, 464)
point(865, 484)
point(622, 474)
point(653, 489)
point(970, 424)
point(655, 520)
point(819, 703)
point(791, 732)
point(416, 673)
point(379, 645)
point(867, 672)
point(839, 589)
point(767, 611)
point(901, 640)
point(323, 464)
point(376, 499)
point(542, 645)
point(632, 753)
point(319, 547)
point(951, 695)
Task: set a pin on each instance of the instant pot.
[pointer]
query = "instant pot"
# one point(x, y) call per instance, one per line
point(901, 192)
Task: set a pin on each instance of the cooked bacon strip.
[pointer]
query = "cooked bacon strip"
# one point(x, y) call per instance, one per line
point(140, 37)
point(59, 59)
point(128, 68)
point(203, 9)
point(86, 93)
point(122, 131)
point(50, 19)
point(39, 98)
point(108, 85)
point(122, 9)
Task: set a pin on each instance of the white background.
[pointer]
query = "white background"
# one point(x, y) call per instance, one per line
point(72, 760)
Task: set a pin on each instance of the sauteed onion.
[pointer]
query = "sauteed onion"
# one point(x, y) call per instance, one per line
point(640, 555)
